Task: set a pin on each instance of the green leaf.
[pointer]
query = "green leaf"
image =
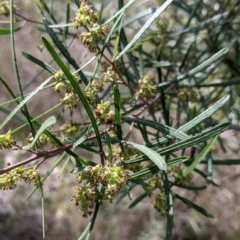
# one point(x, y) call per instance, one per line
point(176, 161)
point(137, 200)
point(85, 232)
point(117, 111)
point(125, 191)
point(193, 205)
point(144, 28)
point(6, 31)
point(144, 172)
point(89, 132)
point(64, 51)
point(21, 104)
point(76, 87)
point(217, 56)
point(7, 87)
point(123, 9)
point(170, 216)
point(186, 143)
point(110, 153)
point(47, 123)
point(154, 169)
point(204, 115)
point(195, 188)
point(194, 122)
point(172, 133)
point(195, 139)
point(139, 16)
point(39, 62)
point(60, 25)
point(200, 157)
point(155, 157)
point(141, 42)
point(15, 116)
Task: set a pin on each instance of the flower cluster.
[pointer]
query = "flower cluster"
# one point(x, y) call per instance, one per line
point(6, 141)
point(129, 153)
point(42, 140)
point(85, 15)
point(5, 8)
point(92, 90)
point(147, 88)
point(32, 175)
point(92, 37)
point(187, 95)
point(109, 75)
point(9, 180)
point(155, 182)
point(104, 114)
point(116, 151)
point(111, 178)
point(160, 202)
point(62, 83)
point(177, 173)
point(69, 128)
point(88, 18)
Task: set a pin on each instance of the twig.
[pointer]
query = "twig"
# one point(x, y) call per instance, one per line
point(38, 155)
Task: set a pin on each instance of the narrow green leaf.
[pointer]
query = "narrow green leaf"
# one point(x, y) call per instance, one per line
point(139, 16)
point(84, 233)
point(89, 132)
point(61, 25)
point(170, 216)
point(195, 188)
point(186, 143)
point(227, 162)
point(194, 122)
point(141, 42)
point(154, 169)
point(144, 172)
point(67, 20)
point(155, 157)
point(43, 212)
point(7, 31)
point(144, 28)
point(137, 200)
point(200, 157)
point(123, 9)
point(110, 154)
point(58, 143)
point(47, 123)
point(75, 87)
point(195, 139)
point(114, 28)
point(15, 116)
point(7, 87)
point(171, 132)
point(64, 51)
point(144, 133)
point(39, 62)
point(217, 56)
point(176, 161)
point(21, 104)
point(116, 95)
point(125, 191)
point(204, 115)
point(193, 205)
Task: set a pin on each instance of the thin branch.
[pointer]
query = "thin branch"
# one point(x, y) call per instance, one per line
point(38, 155)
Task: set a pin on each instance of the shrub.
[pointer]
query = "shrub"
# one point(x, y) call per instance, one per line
point(143, 102)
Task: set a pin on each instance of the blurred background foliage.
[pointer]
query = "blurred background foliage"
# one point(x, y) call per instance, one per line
point(186, 34)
